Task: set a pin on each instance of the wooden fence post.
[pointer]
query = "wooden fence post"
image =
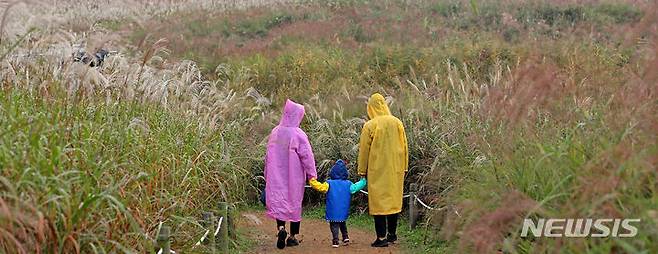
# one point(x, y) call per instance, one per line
point(222, 236)
point(231, 222)
point(209, 223)
point(163, 240)
point(413, 214)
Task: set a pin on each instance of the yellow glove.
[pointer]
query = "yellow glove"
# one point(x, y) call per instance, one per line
point(318, 186)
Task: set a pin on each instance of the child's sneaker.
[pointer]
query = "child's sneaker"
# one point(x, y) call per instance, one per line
point(335, 244)
point(292, 241)
point(281, 238)
point(346, 241)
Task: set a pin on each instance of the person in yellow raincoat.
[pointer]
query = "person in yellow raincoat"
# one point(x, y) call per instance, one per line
point(383, 159)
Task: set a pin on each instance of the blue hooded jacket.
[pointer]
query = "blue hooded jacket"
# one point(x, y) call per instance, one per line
point(340, 192)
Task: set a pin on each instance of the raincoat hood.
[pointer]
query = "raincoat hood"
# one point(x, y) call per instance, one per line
point(377, 106)
point(338, 171)
point(292, 114)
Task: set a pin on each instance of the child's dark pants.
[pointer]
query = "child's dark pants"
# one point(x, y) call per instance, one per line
point(382, 220)
point(335, 226)
point(294, 226)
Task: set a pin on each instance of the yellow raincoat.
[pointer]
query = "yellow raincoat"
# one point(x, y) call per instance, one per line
point(383, 158)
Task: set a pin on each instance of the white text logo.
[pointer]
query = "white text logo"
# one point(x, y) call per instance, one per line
point(580, 227)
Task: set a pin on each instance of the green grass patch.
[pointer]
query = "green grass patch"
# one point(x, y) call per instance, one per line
point(111, 24)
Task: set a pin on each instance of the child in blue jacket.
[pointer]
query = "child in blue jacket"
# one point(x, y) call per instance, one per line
point(339, 195)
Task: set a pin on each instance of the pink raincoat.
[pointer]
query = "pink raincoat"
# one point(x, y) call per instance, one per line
point(289, 162)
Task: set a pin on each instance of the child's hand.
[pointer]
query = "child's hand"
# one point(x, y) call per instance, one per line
point(358, 185)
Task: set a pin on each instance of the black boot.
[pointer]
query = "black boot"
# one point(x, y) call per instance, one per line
point(391, 238)
point(346, 241)
point(292, 241)
point(379, 243)
point(281, 238)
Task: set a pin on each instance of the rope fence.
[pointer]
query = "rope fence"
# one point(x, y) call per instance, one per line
point(413, 202)
point(203, 238)
point(215, 237)
point(170, 251)
point(404, 196)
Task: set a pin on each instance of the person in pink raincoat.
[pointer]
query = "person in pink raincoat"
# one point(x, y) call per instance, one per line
point(289, 163)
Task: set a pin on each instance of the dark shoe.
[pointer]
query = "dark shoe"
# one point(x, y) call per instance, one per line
point(379, 243)
point(292, 242)
point(346, 241)
point(281, 239)
point(335, 244)
point(391, 238)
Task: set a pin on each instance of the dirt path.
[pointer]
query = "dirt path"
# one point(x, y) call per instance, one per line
point(315, 237)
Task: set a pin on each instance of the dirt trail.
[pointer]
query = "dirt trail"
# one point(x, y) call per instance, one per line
point(315, 237)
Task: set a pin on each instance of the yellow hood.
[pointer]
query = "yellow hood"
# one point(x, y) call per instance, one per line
point(377, 106)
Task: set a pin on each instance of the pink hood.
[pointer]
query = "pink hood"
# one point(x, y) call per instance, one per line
point(293, 114)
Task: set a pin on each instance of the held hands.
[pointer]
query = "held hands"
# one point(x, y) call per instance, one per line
point(318, 186)
point(358, 185)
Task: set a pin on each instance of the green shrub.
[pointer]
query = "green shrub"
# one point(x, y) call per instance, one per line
point(357, 32)
point(618, 12)
point(447, 8)
point(261, 26)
